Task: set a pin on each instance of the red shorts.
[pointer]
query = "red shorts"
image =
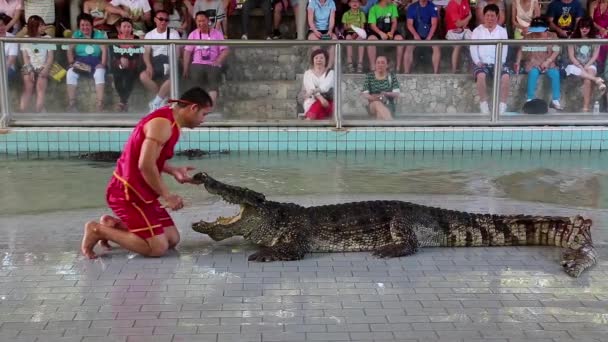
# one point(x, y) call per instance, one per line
point(142, 219)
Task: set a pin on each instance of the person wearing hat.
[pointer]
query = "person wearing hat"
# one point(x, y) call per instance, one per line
point(142, 224)
point(540, 59)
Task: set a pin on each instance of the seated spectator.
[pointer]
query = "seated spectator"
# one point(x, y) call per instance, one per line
point(540, 59)
point(583, 58)
point(280, 8)
point(139, 11)
point(522, 12)
point(382, 25)
point(321, 16)
point(206, 60)
point(342, 6)
point(563, 16)
point(598, 10)
point(381, 89)
point(42, 8)
point(156, 60)
point(86, 60)
point(422, 24)
point(354, 18)
point(11, 50)
point(37, 61)
point(483, 57)
point(179, 16)
point(97, 9)
point(457, 17)
point(13, 9)
point(248, 6)
point(157, 5)
point(483, 3)
point(317, 87)
point(216, 12)
point(126, 59)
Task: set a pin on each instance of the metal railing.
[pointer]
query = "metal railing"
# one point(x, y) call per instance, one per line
point(494, 118)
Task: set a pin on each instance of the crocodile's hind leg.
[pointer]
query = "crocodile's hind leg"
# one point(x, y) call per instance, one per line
point(404, 241)
point(575, 261)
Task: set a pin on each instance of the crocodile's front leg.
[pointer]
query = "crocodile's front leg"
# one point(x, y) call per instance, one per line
point(404, 241)
point(277, 253)
point(291, 243)
point(575, 261)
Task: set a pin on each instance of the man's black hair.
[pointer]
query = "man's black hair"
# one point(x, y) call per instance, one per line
point(198, 96)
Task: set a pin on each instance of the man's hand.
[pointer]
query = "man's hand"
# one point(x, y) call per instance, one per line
point(182, 175)
point(173, 202)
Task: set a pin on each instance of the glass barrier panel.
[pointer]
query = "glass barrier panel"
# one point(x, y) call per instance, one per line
point(250, 83)
point(559, 81)
point(410, 84)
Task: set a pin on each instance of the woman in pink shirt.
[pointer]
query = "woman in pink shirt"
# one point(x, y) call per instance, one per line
point(207, 60)
point(457, 17)
point(14, 9)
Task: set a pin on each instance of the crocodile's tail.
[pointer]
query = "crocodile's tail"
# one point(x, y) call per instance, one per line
point(517, 230)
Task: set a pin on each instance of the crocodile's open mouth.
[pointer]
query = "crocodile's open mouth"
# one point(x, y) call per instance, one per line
point(230, 219)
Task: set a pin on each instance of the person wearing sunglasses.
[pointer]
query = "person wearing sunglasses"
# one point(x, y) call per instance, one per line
point(142, 224)
point(155, 77)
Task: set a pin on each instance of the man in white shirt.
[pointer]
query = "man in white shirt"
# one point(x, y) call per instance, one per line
point(11, 50)
point(156, 59)
point(484, 57)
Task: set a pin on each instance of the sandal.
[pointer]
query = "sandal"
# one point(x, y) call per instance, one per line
point(600, 84)
point(359, 68)
point(349, 68)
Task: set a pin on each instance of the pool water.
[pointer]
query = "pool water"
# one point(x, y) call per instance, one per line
point(41, 184)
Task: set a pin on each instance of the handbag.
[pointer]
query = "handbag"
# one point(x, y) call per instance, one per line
point(57, 72)
point(82, 68)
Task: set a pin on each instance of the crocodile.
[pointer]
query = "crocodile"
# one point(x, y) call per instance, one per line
point(288, 231)
point(112, 156)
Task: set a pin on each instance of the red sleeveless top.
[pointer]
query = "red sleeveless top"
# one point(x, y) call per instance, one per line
point(127, 167)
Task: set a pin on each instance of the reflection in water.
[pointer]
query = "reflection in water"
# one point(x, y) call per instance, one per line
point(573, 179)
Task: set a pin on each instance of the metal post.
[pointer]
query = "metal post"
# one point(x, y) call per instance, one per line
point(337, 85)
point(173, 74)
point(5, 118)
point(496, 83)
point(301, 22)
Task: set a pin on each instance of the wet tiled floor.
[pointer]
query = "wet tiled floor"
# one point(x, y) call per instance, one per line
point(208, 291)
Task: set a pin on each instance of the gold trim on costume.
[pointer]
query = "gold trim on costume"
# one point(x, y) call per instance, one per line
point(127, 185)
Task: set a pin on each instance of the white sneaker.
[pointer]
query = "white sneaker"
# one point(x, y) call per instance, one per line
point(483, 106)
point(244, 37)
point(502, 108)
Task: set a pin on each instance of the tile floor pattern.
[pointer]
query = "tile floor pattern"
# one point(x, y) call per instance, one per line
point(209, 292)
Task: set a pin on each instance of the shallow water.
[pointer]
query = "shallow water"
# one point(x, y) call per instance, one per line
point(574, 179)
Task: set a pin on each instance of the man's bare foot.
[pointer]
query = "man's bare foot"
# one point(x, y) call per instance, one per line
point(89, 240)
point(109, 221)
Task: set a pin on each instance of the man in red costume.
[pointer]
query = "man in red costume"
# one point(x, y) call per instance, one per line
point(142, 224)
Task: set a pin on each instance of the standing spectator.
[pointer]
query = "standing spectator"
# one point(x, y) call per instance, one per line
point(280, 9)
point(179, 17)
point(354, 18)
point(11, 50)
point(563, 16)
point(13, 9)
point(156, 60)
point(206, 60)
point(317, 87)
point(382, 21)
point(42, 8)
point(483, 57)
point(139, 11)
point(380, 89)
point(522, 12)
point(583, 58)
point(422, 24)
point(457, 17)
point(81, 56)
point(126, 61)
point(245, 13)
point(540, 59)
point(37, 62)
